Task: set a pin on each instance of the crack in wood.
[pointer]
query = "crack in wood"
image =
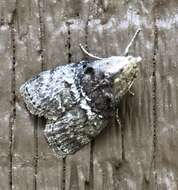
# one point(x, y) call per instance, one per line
point(35, 156)
point(86, 33)
point(42, 50)
point(12, 118)
point(91, 169)
point(64, 174)
point(89, 185)
point(38, 121)
point(69, 56)
point(122, 143)
point(154, 95)
point(69, 42)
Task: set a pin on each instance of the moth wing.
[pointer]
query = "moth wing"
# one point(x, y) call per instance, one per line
point(49, 93)
point(69, 133)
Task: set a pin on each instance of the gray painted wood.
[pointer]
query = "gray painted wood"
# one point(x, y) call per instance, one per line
point(139, 154)
point(50, 168)
point(5, 106)
point(167, 96)
point(26, 37)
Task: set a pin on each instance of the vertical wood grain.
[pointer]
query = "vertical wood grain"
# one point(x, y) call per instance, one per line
point(7, 93)
point(77, 166)
point(26, 37)
point(139, 154)
point(121, 156)
point(6, 109)
point(167, 94)
point(52, 47)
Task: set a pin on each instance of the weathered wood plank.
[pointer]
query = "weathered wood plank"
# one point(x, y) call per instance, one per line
point(5, 105)
point(50, 174)
point(166, 165)
point(27, 64)
point(138, 124)
point(107, 146)
point(7, 96)
point(140, 154)
point(119, 154)
point(78, 165)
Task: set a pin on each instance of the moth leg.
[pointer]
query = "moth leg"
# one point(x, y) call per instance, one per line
point(129, 89)
point(117, 117)
point(131, 93)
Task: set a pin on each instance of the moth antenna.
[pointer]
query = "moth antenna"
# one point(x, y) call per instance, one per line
point(131, 42)
point(87, 53)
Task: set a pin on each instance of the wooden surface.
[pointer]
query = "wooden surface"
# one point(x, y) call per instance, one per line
point(142, 153)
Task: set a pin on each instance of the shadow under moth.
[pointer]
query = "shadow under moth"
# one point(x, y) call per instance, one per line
point(78, 99)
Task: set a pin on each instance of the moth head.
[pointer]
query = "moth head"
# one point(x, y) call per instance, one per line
point(120, 70)
point(124, 76)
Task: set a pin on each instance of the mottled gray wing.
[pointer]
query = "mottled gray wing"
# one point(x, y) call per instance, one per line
point(70, 132)
point(52, 92)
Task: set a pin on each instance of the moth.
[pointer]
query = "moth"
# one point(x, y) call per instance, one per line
point(79, 99)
